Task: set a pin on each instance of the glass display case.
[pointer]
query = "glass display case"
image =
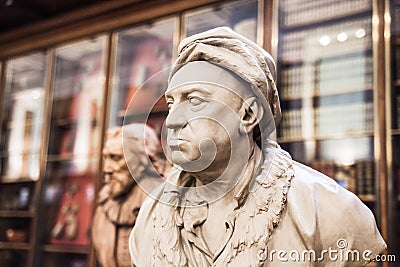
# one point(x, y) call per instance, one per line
point(143, 56)
point(394, 131)
point(241, 16)
point(21, 118)
point(325, 62)
point(72, 161)
point(53, 111)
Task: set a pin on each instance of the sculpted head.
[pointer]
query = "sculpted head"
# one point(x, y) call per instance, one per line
point(211, 110)
point(222, 101)
point(126, 153)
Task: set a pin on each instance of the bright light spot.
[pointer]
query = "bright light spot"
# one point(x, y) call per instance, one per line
point(35, 94)
point(360, 33)
point(341, 37)
point(325, 40)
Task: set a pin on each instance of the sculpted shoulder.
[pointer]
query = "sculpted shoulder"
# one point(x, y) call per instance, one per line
point(318, 206)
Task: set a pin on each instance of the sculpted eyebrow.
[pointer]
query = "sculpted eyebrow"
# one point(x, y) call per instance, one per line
point(199, 90)
point(186, 91)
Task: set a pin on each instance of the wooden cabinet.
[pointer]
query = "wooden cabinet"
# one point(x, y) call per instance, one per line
point(393, 140)
point(78, 80)
point(21, 147)
point(72, 160)
point(325, 59)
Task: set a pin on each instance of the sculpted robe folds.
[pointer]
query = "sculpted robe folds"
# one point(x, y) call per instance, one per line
point(292, 213)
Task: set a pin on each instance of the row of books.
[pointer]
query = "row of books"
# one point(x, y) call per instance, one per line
point(357, 177)
point(396, 19)
point(304, 12)
point(398, 111)
point(344, 118)
point(327, 41)
point(397, 61)
point(345, 74)
point(327, 120)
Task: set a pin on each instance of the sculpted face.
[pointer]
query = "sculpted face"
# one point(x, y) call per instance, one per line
point(203, 124)
point(212, 114)
point(116, 172)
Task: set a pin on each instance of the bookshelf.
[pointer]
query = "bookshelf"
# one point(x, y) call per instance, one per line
point(325, 56)
point(140, 68)
point(21, 119)
point(71, 160)
point(325, 63)
point(393, 129)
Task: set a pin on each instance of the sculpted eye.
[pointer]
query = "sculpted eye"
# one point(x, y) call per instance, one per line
point(170, 102)
point(195, 101)
point(114, 157)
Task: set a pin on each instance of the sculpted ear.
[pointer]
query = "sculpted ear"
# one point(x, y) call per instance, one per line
point(251, 113)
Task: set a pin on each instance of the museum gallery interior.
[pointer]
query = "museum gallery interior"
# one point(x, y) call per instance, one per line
point(69, 71)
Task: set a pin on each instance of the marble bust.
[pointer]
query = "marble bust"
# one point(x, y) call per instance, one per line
point(120, 198)
point(234, 197)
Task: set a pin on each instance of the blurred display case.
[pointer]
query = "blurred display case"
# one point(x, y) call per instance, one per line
point(73, 157)
point(243, 17)
point(143, 57)
point(57, 104)
point(325, 59)
point(22, 117)
point(394, 130)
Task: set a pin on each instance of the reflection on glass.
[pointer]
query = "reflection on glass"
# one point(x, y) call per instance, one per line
point(22, 116)
point(142, 53)
point(240, 16)
point(68, 197)
point(326, 87)
point(73, 153)
point(394, 161)
point(77, 100)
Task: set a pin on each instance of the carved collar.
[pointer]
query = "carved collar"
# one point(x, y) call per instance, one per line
point(261, 201)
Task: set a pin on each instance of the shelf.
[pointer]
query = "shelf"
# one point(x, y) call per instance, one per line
point(327, 19)
point(16, 214)
point(15, 245)
point(396, 40)
point(315, 95)
point(367, 198)
point(70, 123)
point(5, 154)
point(156, 110)
point(66, 249)
point(395, 131)
point(323, 138)
point(68, 157)
point(6, 180)
point(285, 63)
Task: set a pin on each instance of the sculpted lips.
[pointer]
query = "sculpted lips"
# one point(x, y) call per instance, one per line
point(175, 143)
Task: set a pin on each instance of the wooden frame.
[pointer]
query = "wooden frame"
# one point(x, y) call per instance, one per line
point(111, 16)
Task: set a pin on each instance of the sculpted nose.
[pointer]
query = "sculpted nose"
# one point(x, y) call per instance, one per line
point(176, 119)
point(107, 168)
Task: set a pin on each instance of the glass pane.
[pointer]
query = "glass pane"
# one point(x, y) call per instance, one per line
point(73, 152)
point(68, 201)
point(394, 162)
point(23, 104)
point(240, 16)
point(13, 258)
point(325, 69)
point(64, 260)
point(15, 230)
point(141, 53)
point(17, 196)
point(77, 99)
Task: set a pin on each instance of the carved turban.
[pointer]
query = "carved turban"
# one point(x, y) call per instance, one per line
point(249, 61)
